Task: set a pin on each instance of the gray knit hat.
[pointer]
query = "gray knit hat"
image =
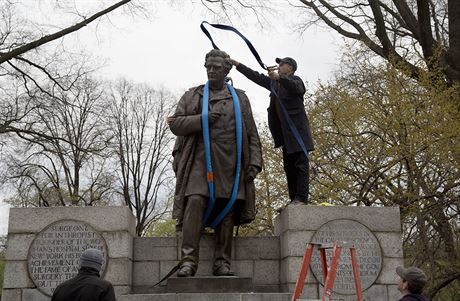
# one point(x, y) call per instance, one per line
point(91, 258)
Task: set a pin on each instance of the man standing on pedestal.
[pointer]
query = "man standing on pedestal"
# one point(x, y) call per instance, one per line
point(212, 188)
point(288, 122)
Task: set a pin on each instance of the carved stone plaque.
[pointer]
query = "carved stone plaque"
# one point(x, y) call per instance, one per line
point(369, 254)
point(55, 252)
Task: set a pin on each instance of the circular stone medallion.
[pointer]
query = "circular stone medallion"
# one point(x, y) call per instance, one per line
point(55, 252)
point(369, 254)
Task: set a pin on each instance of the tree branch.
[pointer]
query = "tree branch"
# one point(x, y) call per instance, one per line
point(46, 39)
point(426, 37)
point(381, 32)
point(407, 16)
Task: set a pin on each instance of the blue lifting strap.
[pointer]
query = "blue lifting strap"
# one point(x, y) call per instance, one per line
point(207, 149)
point(289, 121)
point(228, 27)
point(291, 124)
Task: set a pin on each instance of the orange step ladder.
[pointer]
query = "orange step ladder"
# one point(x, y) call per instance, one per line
point(328, 273)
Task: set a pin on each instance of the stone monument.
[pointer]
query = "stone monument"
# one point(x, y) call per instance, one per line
point(43, 244)
point(368, 253)
point(375, 232)
point(54, 253)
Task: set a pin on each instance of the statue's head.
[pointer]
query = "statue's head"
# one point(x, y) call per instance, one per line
point(217, 66)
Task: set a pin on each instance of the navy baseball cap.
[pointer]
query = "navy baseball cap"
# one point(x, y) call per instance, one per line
point(288, 60)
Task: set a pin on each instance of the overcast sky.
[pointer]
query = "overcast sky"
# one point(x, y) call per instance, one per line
point(167, 49)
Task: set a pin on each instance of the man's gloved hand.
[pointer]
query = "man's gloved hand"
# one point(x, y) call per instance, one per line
point(273, 75)
point(252, 173)
point(213, 116)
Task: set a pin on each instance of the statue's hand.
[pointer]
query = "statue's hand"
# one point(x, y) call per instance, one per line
point(252, 173)
point(170, 119)
point(213, 116)
point(233, 62)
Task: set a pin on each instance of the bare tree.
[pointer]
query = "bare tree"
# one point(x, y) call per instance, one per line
point(17, 48)
point(228, 10)
point(70, 170)
point(27, 70)
point(143, 147)
point(412, 35)
point(37, 78)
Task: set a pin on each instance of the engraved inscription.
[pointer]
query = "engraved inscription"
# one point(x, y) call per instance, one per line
point(55, 252)
point(369, 254)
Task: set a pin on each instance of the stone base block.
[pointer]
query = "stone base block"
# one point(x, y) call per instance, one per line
point(34, 295)
point(209, 285)
point(155, 248)
point(290, 269)
point(11, 295)
point(381, 219)
point(266, 272)
point(16, 275)
point(146, 273)
point(209, 297)
point(310, 291)
point(107, 219)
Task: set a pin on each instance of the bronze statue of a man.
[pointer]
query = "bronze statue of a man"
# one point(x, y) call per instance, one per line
point(193, 200)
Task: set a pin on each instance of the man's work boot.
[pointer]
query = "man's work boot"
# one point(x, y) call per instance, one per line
point(294, 202)
point(280, 209)
point(297, 202)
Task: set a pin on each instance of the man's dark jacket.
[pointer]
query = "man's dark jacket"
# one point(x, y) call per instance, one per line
point(86, 286)
point(290, 90)
point(414, 297)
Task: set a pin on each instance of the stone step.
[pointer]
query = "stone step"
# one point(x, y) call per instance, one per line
point(208, 297)
point(209, 284)
point(162, 289)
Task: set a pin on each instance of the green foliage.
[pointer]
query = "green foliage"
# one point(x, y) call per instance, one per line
point(384, 140)
point(271, 188)
point(161, 228)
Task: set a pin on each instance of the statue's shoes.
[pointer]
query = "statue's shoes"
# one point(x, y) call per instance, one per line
point(185, 271)
point(223, 270)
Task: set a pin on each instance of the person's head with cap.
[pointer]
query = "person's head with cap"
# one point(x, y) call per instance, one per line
point(412, 280)
point(287, 65)
point(91, 258)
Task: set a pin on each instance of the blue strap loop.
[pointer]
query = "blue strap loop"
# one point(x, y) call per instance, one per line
point(207, 148)
point(228, 27)
point(291, 124)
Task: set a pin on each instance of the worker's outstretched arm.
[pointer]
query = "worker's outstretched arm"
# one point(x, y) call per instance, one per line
point(259, 78)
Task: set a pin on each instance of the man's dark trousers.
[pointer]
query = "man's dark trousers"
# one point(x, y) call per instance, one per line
point(297, 174)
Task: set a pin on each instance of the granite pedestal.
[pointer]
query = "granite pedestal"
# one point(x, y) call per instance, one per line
point(267, 267)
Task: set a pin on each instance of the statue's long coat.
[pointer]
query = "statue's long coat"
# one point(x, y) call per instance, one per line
point(188, 149)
